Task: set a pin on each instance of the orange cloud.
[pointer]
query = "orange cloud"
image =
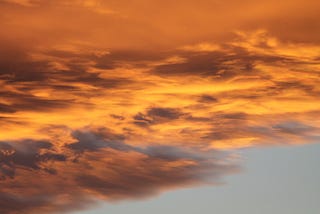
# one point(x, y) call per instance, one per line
point(109, 101)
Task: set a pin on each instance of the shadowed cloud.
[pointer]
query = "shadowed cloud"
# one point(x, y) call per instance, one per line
point(106, 168)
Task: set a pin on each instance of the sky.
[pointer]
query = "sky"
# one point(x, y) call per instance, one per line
point(247, 192)
point(105, 101)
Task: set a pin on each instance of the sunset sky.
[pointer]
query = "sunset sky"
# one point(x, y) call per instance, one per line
point(146, 106)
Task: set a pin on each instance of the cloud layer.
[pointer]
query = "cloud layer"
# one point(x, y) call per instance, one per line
point(101, 101)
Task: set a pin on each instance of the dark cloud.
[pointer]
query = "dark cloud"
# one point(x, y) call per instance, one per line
point(293, 127)
point(285, 86)
point(207, 99)
point(235, 116)
point(220, 65)
point(102, 138)
point(173, 153)
point(22, 101)
point(25, 154)
point(107, 167)
point(6, 108)
point(157, 115)
point(137, 58)
point(118, 117)
point(25, 75)
point(17, 67)
point(166, 113)
point(11, 203)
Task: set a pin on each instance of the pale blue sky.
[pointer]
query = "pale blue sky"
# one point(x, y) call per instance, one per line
point(278, 180)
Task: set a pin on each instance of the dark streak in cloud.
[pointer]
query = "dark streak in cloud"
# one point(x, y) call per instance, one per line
point(27, 102)
point(220, 64)
point(293, 127)
point(207, 99)
point(157, 115)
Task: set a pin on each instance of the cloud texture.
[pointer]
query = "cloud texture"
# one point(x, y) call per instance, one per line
point(101, 100)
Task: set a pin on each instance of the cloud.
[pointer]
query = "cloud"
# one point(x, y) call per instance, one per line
point(107, 168)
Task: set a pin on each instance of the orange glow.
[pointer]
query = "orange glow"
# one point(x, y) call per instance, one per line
point(108, 100)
